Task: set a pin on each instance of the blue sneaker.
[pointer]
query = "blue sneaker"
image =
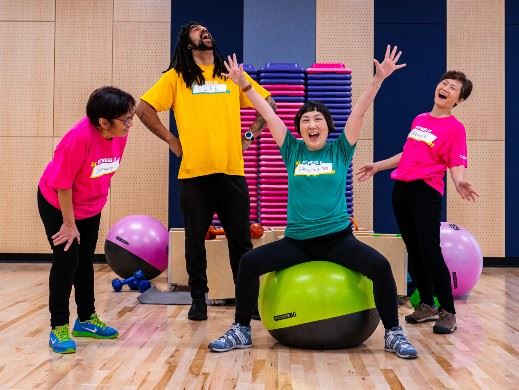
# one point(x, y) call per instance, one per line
point(95, 328)
point(60, 341)
point(395, 341)
point(239, 336)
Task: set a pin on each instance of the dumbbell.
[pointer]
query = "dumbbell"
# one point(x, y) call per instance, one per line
point(141, 285)
point(132, 282)
point(256, 230)
point(213, 231)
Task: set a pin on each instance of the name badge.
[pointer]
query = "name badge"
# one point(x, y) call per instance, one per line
point(209, 89)
point(104, 168)
point(312, 169)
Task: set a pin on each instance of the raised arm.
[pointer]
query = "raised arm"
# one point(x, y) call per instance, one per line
point(259, 123)
point(383, 70)
point(276, 126)
point(368, 170)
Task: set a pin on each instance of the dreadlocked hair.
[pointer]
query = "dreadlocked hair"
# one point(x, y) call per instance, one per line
point(184, 63)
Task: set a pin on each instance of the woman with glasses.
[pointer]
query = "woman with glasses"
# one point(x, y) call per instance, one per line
point(71, 194)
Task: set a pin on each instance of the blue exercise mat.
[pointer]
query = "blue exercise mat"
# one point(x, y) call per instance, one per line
point(280, 75)
point(334, 101)
point(338, 105)
point(292, 99)
point(281, 66)
point(339, 112)
point(338, 94)
point(249, 68)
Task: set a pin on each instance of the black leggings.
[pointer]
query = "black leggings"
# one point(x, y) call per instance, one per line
point(71, 268)
point(418, 210)
point(341, 248)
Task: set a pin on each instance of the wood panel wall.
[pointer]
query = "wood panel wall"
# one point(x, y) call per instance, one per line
point(53, 54)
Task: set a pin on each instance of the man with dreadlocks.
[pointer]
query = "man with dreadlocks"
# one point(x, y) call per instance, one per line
point(207, 113)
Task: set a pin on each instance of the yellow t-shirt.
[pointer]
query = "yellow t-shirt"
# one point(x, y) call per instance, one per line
point(208, 120)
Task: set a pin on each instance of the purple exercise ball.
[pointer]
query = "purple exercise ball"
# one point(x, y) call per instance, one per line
point(137, 242)
point(463, 257)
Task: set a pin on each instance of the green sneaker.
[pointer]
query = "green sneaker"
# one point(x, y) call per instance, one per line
point(95, 328)
point(60, 341)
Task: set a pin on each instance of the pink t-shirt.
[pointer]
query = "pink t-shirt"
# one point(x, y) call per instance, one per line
point(432, 146)
point(85, 162)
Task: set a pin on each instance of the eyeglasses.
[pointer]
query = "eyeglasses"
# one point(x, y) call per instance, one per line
point(128, 121)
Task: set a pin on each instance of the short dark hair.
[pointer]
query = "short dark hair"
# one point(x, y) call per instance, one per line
point(314, 106)
point(466, 84)
point(109, 103)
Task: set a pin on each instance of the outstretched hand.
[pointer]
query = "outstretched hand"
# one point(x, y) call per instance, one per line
point(366, 171)
point(234, 70)
point(466, 191)
point(390, 63)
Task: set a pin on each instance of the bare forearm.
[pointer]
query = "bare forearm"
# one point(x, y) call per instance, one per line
point(457, 174)
point(389, 163)
point(151, 120)
point(259, 122)
point(65, 204)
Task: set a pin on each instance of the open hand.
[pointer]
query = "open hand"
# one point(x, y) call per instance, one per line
point(66, 235)
point(234, 70)
point(389, 65)
point(466, 191)
point(366, 171)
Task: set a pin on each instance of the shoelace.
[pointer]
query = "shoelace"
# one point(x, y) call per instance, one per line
point(236, 331)
point(397, 338)
point(62, 333)
point(96, 321)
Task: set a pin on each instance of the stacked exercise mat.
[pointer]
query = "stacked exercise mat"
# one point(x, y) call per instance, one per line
point(330, 83)
point(290, 86)
point(286, 83)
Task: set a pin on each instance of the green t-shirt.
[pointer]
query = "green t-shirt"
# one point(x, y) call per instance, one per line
point(316, 187)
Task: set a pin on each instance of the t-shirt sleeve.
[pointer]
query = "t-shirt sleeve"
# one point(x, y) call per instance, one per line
point(68, 158)
point(244, 100)
point(345, 149)
point(457, 154)
point(162, 95)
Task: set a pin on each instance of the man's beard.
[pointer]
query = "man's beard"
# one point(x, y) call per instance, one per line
point(202, 46)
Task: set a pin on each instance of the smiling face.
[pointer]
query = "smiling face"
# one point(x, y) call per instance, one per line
point(200, 38)
point(314, 129)
point(117, 127)
point(447, 93)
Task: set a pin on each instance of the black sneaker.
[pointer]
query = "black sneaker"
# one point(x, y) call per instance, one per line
point(198, 310)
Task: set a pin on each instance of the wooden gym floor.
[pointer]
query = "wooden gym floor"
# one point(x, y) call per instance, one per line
point(160, 349)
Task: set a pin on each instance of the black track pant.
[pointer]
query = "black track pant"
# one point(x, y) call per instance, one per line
point(418, 209)
point(71, 268)
point(200, 198)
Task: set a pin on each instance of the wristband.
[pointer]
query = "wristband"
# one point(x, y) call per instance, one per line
point(246, 88)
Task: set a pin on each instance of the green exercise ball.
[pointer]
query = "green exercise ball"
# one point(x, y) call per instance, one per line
point(318, 305)
point(414, 299)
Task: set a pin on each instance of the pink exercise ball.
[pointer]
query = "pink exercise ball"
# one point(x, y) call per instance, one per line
point(137, 242)
point(463, 257)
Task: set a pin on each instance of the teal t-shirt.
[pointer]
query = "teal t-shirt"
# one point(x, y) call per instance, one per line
point(316, 187)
